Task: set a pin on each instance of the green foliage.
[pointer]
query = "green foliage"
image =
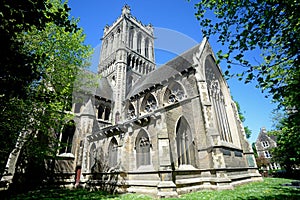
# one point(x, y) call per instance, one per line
point(272, 27)
point(287, 152)
point(36, 92)
point(242, 118)
point(262, 162)
point(19, 67)
point(254, 150)
point(270, 188)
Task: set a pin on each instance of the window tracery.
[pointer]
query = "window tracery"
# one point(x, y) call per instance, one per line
point(143, 149)
point(149, 103)
point(131, 112)
point(184, 141)
point(174, 93)
point(217, 99)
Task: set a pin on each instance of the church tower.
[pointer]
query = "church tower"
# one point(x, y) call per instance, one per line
point(126, 55)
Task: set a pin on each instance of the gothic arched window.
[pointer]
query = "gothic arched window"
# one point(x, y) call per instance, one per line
point(113, 152)
point(111, 48)
point(117, 117)
point(130, 39)
point(92, 156)
point(147, 48)
point(214, 80)
point(149, 103)
point(67, 137)
point(142, 146)
point(100, 112)
point(105, 48)
point(131, 112)
point(185, 144)
point(106, 113)
point(174, 93)
point(77, 107)
point(139, 42)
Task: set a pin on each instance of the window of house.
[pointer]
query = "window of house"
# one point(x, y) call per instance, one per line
point(142, 146)
point(265, 144)
point(267, 154)
point(184, 141)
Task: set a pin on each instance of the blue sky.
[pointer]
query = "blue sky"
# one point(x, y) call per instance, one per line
point(172, 19)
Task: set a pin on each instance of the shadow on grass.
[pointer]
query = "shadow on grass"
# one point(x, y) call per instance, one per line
point(61, 193)
point(269, 189)
point(277, 192)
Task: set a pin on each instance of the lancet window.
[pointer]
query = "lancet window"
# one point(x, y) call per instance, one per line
point(142, 146)
point(113, 152)
point(130, 42)
point(139, 43)
point(103, 112)
point(67, 138)
point(147, 48)
point(92, 156)
point(185, 144)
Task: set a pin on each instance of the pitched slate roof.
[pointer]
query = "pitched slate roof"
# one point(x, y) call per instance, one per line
point(171, 68)
point(104, 89)
point(90, 84)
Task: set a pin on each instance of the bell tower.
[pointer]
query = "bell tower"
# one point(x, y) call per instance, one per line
point(127, 53)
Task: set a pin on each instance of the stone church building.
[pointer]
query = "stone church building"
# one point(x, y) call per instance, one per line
point(163, 131)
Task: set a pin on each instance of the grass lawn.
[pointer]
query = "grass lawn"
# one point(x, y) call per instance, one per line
point(270, 189)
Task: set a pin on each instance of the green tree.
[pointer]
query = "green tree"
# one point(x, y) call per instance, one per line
point(36, 109)
point(242, 118)
point(254, 150)
point(272, 27)
point(288, 150)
